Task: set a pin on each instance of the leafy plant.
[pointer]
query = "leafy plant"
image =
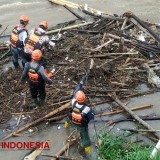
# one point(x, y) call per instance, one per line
point(115, 148)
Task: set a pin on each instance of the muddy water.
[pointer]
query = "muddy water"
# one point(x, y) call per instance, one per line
point(38, 10)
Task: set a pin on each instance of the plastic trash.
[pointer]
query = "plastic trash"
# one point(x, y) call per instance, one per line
point(53, 69)
point(86, 7)
point(51, 43)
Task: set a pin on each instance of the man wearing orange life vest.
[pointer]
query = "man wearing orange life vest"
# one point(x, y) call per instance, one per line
point(18, 36)
point(37, 39)
point(37, 78)
point(80, 116)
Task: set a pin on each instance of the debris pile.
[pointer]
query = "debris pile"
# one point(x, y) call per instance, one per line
point(119, 47)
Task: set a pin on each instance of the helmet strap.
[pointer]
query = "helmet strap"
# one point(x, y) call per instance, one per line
point(41, 26)
point(23, 23)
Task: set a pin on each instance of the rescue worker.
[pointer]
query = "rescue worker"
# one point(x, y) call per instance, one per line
point(18, 36)
point(80, 116)
point(37, 39)
point(37, 78)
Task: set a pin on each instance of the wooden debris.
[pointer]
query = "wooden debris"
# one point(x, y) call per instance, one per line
point(70, 27)
point(65, 106)
point(122, 110)
point(58, 157)
point(34, 154)
point(146, 125)
point(75, 14)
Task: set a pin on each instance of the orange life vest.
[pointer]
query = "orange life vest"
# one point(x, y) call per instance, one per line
point(15, 42)
point(76, 116)
point(32, 41)
point(33, 75)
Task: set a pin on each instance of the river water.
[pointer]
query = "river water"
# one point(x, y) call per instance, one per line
point(38, 10)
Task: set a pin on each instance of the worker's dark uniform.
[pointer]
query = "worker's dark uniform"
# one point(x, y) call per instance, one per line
point(80, 116)
point(17, 39)
point(37, 78)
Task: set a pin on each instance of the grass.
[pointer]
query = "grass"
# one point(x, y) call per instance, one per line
point(115, 148)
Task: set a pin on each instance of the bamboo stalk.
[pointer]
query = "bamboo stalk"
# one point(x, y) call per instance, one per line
point(146, 125)
point(122, 110)
point(62, 150)
point(112, 54)
point(58, 157)
point(67, 3)
point(70, 27)
point(76, 6)
point(75, 14)
point(34, 154)
point(105, 44)
point(65, 106)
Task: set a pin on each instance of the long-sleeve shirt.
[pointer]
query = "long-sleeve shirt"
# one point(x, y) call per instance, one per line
point(44, 38)
point(40, 71)
point(23, 36)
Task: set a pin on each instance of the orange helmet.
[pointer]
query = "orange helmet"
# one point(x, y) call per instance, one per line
point(44, 24)
point(80, 97)
point(36, 55)
point(24, 19)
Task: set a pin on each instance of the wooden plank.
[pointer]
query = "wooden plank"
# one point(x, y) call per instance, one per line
point(70, 27)
point(122, 110)
point(136, 117)
point(52, 113)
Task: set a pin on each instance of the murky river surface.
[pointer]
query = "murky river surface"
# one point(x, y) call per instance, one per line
point(38, 10)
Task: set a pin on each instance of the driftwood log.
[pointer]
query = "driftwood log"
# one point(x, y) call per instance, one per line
point(65, 106)
point(70, 27)
point(122, 110)
point(130, 14)
point(146, 125)
point(58, 157)
point(75, 14)
point(63, 149)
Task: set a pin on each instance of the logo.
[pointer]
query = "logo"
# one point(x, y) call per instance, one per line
point(25, 145)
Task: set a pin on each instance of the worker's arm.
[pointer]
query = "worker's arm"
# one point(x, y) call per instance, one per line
point(25, 71)
point(88, 112)
point(45, 78)
point(79, 86)
point(24, 36)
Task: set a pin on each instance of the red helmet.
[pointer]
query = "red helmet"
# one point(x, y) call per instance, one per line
point(37, 55)
point(24, 19)
point(80, 97)
point(44, 24)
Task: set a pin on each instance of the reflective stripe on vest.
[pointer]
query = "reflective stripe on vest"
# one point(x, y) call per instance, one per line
point(32, 41)
point(76, 118)
point(33, 76)
point(14, 39)
point(15, 42)
point(76, 114)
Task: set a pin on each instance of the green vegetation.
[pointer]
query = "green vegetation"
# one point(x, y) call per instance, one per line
point(115, 148)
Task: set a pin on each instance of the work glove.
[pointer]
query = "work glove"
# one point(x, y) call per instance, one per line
point(50, 75)
point(83, 79)
point(66, 124)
